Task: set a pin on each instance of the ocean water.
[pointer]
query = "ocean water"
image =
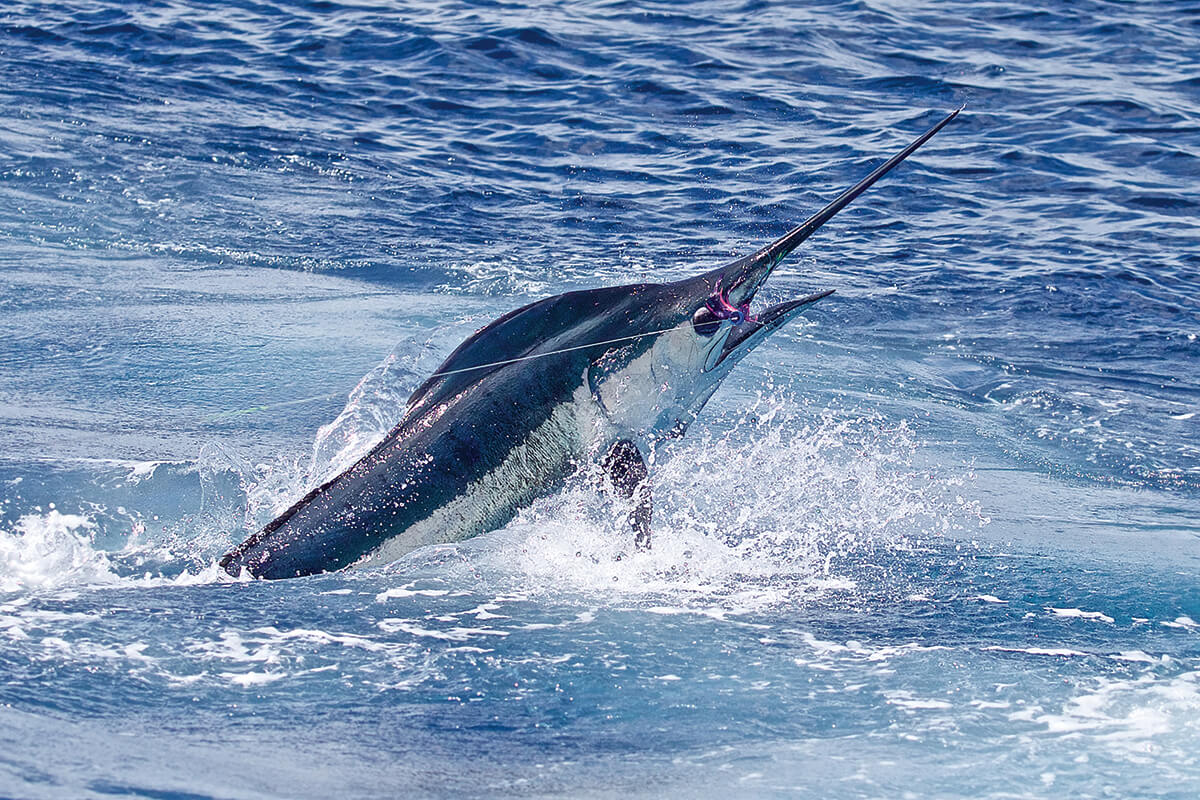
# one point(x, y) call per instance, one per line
point(940, 538)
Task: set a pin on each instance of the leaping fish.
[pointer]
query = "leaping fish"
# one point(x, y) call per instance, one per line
point(601, 375)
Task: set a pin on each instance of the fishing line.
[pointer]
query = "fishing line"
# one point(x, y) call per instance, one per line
point(556, 352)
point(253, 409)
point(489, 365)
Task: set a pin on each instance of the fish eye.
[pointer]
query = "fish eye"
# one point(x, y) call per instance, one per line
point(717, 309)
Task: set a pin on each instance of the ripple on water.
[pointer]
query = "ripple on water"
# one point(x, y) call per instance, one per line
point(215, 220)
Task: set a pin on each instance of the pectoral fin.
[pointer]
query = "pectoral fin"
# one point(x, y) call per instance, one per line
point(626, 469)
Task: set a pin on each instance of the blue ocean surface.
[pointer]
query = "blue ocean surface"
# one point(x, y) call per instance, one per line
point(940, 538)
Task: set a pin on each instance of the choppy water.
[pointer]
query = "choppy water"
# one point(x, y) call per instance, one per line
point(938, 540)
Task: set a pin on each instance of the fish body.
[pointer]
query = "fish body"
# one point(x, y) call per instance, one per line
point(596, 376)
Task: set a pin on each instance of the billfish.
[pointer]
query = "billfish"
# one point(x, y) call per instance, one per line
point(587, 377)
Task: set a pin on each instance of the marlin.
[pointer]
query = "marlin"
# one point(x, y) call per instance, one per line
point(595, 377)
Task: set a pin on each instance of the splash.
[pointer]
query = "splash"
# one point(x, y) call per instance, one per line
point(781, 506)
point(47, 551)
point(764, 505)
point(54, 551)
point(373, 408)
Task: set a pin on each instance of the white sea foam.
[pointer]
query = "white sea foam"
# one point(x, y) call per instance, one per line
point(320, 637)
point(267, 654)
point(455, 634)
point(389, 594)
point(248, 679)
point(1138, 717)
point(904, 699)
point(46, 551)
point(1079, 614)
point(55, 551)
point(1063, 652)
point(144, 470)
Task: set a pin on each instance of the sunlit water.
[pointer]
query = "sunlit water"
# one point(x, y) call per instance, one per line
point(937, 539)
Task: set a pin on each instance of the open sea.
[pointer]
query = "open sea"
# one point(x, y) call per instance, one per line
point(940, 538)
